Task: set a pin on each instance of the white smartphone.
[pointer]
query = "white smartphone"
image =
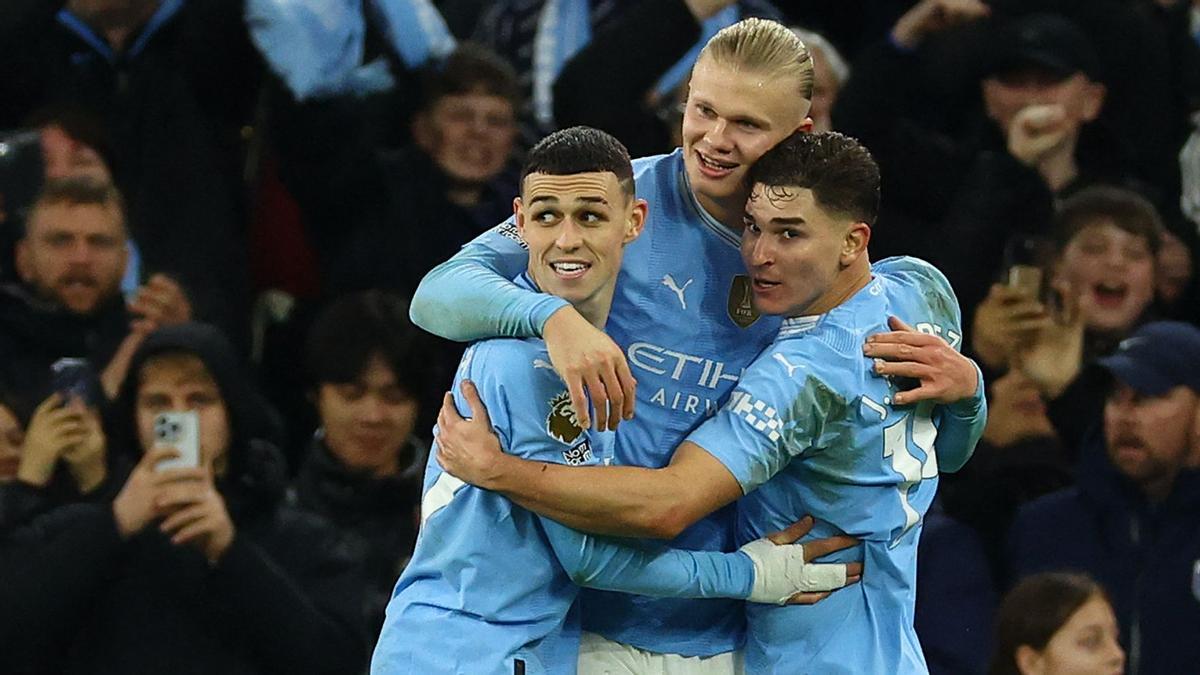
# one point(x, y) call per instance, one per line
point(180, 431)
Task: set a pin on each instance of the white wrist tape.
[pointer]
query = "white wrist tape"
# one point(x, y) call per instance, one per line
point(780, 572)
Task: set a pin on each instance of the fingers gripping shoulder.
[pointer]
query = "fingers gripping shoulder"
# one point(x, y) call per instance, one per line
point(781, 572)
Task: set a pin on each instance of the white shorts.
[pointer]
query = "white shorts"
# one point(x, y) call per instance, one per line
point(600, 656)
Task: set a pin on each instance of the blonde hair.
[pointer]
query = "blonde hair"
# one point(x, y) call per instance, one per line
point(762, 46)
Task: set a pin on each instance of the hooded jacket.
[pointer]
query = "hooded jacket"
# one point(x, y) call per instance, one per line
point(283, 598)
point(1147, 556)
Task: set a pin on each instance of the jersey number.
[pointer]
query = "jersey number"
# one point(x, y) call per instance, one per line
point(913, 470)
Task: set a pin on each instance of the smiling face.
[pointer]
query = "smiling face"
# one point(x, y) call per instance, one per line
point(1113, 270)
point(576, 227)
point(369, 420)
point(795, 250)
point(731, 118)
point(469, 136)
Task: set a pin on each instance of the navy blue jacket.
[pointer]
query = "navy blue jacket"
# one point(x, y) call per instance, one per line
point(1146, 555)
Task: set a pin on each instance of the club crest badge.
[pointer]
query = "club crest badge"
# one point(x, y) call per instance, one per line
point(741, 302)
point(562, 424)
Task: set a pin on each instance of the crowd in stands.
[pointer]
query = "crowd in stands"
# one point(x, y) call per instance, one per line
point(223, 206)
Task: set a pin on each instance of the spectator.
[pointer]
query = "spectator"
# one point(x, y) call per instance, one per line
point(370, 369)
point(1133, 521)
point(1042, 90)
point(1102, 276)
point(173, 84)
point(68, 303)
point(1057, 624)
point(412, 208)
point(187, 570)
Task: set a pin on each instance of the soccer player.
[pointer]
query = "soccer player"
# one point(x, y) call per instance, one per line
point(490, 587)
point(681, 311)
point(682, 315)
point(810, 427)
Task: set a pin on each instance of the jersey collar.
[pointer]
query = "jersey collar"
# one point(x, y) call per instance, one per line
point(799, 324)
point(684, 185)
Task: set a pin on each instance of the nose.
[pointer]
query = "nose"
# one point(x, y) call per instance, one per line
point(718, 136)
point(570, 236)
point(78, 253)
point(373, 410)
point(761, 251)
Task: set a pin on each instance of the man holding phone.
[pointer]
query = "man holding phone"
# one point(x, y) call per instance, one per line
point(196, 569)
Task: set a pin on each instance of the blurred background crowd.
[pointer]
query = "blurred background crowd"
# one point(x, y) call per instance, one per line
point(223, 205)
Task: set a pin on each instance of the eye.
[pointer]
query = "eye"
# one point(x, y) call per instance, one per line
point(751, 226)
point(705, 111)
point(591, 217)
point(351, 391)
point(545, 217)
point(749, 125)
point(790, 233)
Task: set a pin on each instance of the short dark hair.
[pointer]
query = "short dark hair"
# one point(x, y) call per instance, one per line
point(1034, 610)
point(839, 170)
point(357, 327)
point(580, 150)
point(1123, 207)
point(78, 191)
point(470, 68)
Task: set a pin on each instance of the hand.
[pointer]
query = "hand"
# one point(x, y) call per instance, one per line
point(194, 512)
point(1006, 322)
point(1037, 132)
point(118, 366)
point(783, 573)
point(584, 356)
point(1015, 411)
point(134, 505)
point(468, 449)
point(160, 302)
point(86, 460)
point(931, 16)
point(704, 9)
point(1056, 355)
point(945, 376)
point(53, 429)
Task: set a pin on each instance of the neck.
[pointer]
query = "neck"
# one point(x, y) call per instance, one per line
point(595, 309)
point(117, 24)
point(465, 195)
point(1060, 168)
point(1158, 489)
point(848, 282)
point(728, 211)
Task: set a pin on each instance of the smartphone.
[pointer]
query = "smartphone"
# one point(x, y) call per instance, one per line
point(1023, 257)
point(74, 378)
point(180, 431)
point(21, 170)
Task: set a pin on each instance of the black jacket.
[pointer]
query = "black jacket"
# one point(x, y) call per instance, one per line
point(35, 333)
point(377, 515)
point(1147, 556)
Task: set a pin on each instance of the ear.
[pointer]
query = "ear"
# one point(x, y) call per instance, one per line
point(854, 245)
point(637, 220)
point(22, 260)
point(423, 132)
point(1093, 101)
point(1029, 661)
point(806, 126)
point(519, 216)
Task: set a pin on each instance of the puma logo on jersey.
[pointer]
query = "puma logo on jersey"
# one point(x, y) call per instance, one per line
point(790, 367)
point(678, 290)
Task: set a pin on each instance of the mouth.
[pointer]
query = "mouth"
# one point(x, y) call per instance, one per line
point(570, 269)
point(764, 285)
point(1110, 294)
point(714, 168)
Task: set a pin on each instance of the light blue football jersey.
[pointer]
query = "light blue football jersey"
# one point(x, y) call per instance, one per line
point(683, 315)
point(491, 584)
point(811, 429)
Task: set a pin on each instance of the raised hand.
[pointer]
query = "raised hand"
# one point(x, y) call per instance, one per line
point(930, 16)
